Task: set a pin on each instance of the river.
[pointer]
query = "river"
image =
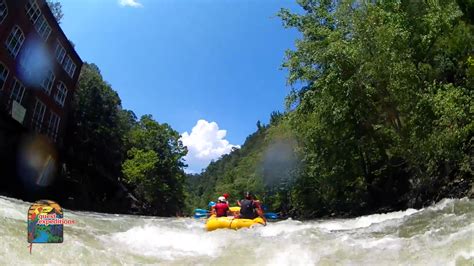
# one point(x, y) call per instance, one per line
point(442, 234)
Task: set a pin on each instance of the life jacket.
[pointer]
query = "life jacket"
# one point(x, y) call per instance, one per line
point(221, 209)
point(247, 209)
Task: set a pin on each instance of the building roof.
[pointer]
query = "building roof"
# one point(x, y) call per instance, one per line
point(49, 13)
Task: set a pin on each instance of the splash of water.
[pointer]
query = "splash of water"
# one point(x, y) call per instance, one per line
point(442, 234)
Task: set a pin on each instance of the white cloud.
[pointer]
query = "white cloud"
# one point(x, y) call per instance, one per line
point(131, 3)
point(205, 143)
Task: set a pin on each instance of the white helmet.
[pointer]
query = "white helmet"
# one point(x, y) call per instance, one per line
point(221, 199)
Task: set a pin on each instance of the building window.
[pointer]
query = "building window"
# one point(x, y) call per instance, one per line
point(53, 126)
point(3, 10)
point(61, 94)
point(42, 27)
point(69, 66)
point(18, 91)
point(47, 83)
point(33, 11)
point(15, 41)
point(38, 115)
point(3, 75)
point(60, 52)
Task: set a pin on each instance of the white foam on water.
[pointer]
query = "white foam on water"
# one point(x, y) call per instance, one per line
point(364, 221)
point(294, 255)
point(430, 236)
point(166, 243)
point(443, 204)
point(283, 228)
point(13, 209)
point(467, 257)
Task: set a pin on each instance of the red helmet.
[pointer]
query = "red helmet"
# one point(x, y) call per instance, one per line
point(226, 195)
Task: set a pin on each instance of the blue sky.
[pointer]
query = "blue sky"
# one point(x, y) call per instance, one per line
point(183, 61)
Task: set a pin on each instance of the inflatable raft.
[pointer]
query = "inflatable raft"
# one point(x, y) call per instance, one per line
point(214, 223)
point(230, 222)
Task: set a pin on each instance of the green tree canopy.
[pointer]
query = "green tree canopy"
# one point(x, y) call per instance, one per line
point(57, 9)
point(106, 145)
point(387, 103)
point(155, 165)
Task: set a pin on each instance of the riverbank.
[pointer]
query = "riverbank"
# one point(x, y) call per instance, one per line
point(454, 189)
point(75, 197)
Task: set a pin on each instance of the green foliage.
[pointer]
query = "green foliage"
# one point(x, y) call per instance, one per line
point(386, 103)
point(95, 129)
point(140, 166)
point(263, 166)
point(154, 165)
point(383, 118)
point(107, 145)
point(56, 9)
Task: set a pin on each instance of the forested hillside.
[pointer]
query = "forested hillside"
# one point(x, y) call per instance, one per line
point(264, 165)
point(384, 119)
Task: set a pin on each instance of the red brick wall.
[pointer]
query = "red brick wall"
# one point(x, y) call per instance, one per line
point(17, 16)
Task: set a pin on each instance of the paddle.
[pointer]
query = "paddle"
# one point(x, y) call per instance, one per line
point(270, 215)
point(201, 211)
point(200, 215)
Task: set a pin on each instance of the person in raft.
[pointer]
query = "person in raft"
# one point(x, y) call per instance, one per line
point(211, 208)
point(221, 208)
point(250, 208)
point(226, 196)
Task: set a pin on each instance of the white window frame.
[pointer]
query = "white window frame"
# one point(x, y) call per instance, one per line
point(3, 11)
point(15, 41)
point(33, 11)
point(4, 71)
point(17, 96)
point(72, 70)
point(38, 115)
point(43, 28)
point(59, 52)
point(69, 66)
point(61, 93)
point(48, 81)
point(53, 126)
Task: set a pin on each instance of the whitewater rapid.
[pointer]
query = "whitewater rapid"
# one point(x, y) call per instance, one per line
point(442, 234)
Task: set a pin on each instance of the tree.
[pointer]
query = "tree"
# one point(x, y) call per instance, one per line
point(140, 170)
point(106, 145)
point(94, 135)
point(370, 118)
point(57, 9)
point(263, 165)
point(154, 165)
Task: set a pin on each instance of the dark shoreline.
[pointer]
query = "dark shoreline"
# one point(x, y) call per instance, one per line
point(457, 189)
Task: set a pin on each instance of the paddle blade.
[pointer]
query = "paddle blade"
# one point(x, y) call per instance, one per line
point(271, 215)
point(200, 215)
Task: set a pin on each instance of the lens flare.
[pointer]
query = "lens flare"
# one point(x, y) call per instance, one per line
point(37, 162)
point(34, 62)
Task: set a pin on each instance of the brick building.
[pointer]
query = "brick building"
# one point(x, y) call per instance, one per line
point(39, 69)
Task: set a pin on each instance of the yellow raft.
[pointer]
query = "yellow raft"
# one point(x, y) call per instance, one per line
point(229, 222)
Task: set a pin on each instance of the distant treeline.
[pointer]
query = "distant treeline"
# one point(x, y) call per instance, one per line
point(384, 119)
